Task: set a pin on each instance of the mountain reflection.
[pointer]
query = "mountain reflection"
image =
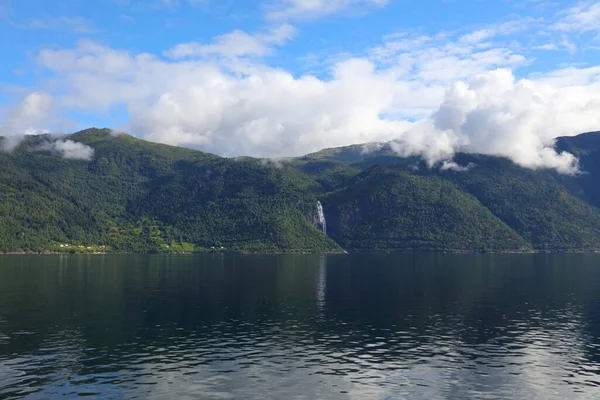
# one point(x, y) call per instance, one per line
point(429, 326)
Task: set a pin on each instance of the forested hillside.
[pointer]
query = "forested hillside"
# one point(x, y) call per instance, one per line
point(130, 195)
point(136, 196)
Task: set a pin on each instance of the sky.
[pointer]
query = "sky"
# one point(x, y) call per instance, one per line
point(278, 78)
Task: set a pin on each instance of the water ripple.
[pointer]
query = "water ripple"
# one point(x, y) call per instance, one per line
point(491, 339)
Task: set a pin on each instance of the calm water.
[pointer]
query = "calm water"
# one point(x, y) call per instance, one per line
point(300, 327)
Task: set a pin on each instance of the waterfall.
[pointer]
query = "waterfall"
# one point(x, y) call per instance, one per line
point(322, 220)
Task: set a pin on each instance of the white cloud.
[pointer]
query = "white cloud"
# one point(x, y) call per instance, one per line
point(173, 2)
point(497, 115)
point(453, 166)
point(569, 77)
point(494, 30)
point(581, 18)
point(126, 18)
point(564, 44)
point(547, 47)
point(157, 3)
point(70, 24)
point(441, 59)
point(31, 116)
point(271, 113)
point(236, 43)
point(257, 110)
point(310, 9)
point(425, 65)
point(70, 150)
point(568, 45)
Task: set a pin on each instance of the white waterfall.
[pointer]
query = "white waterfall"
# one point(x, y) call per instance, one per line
point(322, 220)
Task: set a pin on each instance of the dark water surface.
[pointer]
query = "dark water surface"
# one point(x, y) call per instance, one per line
point(300, 327)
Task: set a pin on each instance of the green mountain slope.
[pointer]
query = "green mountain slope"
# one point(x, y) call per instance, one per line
point(236, 203)
point(137, 196)
point(532, 202)
point(387, 209)
point(140, 196)
point(586, 147)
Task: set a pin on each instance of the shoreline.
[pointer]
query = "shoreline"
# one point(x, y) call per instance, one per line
point(349, 252)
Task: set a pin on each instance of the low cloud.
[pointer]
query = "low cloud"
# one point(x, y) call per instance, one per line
point(453, 166)
point(274, 162)
point(31, 116)
point(70, 150)
point(496, 114)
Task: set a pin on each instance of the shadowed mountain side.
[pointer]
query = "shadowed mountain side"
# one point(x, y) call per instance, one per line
point(532, 202)
point(386, 209)
point(586, 147)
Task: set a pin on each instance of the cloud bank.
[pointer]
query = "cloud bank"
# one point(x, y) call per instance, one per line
point(238, 109)
point(497, 115)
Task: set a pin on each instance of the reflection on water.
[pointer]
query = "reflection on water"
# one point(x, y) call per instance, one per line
point(322, 283)
point(301, 327)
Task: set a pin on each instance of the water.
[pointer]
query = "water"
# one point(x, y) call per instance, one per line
point(321, 214)
point(300, 327)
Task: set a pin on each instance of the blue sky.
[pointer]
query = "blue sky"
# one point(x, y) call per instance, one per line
point(284, 77)
point(154, 26)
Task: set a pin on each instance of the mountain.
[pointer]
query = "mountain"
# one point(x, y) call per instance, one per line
point(586, 147)
point(387, 209)
point(138, 196)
